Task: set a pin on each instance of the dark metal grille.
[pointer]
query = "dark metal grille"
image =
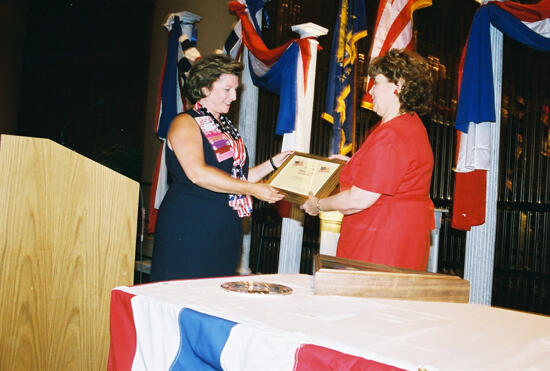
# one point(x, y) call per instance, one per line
point(441, 31)
point(522, 248)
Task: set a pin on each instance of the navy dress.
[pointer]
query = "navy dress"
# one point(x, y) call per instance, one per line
point(197, 233)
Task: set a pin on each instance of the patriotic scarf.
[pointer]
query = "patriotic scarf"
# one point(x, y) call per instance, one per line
point(226, 143)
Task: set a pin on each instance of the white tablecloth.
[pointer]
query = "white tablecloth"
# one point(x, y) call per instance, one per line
point(406, 334)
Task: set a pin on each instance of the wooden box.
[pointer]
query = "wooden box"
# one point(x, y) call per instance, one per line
point(338, 276)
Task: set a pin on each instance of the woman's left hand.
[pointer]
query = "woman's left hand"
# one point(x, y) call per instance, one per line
point(310, 206)
point(279, 158)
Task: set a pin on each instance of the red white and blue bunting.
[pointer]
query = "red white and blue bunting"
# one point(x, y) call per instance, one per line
point(180, 54)
point(273, 69)
point(528, 24)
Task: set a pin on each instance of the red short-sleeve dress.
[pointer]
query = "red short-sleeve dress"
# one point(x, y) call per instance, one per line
point(396, 160)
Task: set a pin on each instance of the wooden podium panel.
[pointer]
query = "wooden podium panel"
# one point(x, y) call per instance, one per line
point(67, 237)
point(347, 277)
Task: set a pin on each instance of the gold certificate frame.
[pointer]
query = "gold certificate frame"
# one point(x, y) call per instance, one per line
point(302, 173)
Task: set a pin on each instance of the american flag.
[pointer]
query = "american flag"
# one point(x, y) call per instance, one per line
point(393, 30)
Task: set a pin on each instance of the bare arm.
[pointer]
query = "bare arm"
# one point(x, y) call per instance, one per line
point(347, 202)
point(185, 139)
point(258, 172)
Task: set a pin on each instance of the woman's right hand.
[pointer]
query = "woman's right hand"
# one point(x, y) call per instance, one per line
point(310, 206)
point(339, 157)
point(265, 192)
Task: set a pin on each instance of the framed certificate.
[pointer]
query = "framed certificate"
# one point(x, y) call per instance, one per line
point(302, 173)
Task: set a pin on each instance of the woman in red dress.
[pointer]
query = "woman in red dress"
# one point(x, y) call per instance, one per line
point(384, 187)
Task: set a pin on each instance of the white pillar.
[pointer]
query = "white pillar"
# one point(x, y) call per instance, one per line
point(248, 117)
point(434, 241)
point(292, 229)
point(480, 241)
point(248, 128)
point(188, 21)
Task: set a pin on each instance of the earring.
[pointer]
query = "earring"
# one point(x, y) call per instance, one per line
point(395, 92)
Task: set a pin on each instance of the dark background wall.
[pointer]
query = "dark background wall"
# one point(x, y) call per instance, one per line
point(13, 18)
point(85, 73)
point(84, 77)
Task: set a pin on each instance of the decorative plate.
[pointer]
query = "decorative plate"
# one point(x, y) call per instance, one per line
point(255, 287)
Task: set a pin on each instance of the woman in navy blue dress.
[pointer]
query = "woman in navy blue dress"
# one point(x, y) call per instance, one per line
point(198, 231)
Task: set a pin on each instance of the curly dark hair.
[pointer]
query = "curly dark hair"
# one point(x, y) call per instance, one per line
point(206, 71)
point(414, 71)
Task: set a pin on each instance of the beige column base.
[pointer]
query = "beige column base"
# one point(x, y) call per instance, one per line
point(331, 222)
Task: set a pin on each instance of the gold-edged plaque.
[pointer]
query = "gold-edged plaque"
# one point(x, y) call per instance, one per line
point(302, 173)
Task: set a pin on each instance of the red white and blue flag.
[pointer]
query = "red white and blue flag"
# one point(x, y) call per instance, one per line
point(150, 335)
point(393, 30)
point(528, 24)
point(274, 69)
point(233, 44)
point(180, 54)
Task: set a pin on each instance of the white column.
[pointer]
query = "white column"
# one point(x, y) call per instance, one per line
point(248, 124)
point(188, 21)
point(292, 229)
point(434, 241)
point(480, 241)
point(248, 117)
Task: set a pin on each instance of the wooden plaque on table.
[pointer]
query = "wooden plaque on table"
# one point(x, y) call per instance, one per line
point(347, 277)
point(302, 173)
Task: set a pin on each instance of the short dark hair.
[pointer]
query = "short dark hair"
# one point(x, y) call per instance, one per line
point(206, 71)
point(413, 71)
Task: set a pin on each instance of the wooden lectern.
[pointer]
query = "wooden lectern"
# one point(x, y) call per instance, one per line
point(67, 237)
